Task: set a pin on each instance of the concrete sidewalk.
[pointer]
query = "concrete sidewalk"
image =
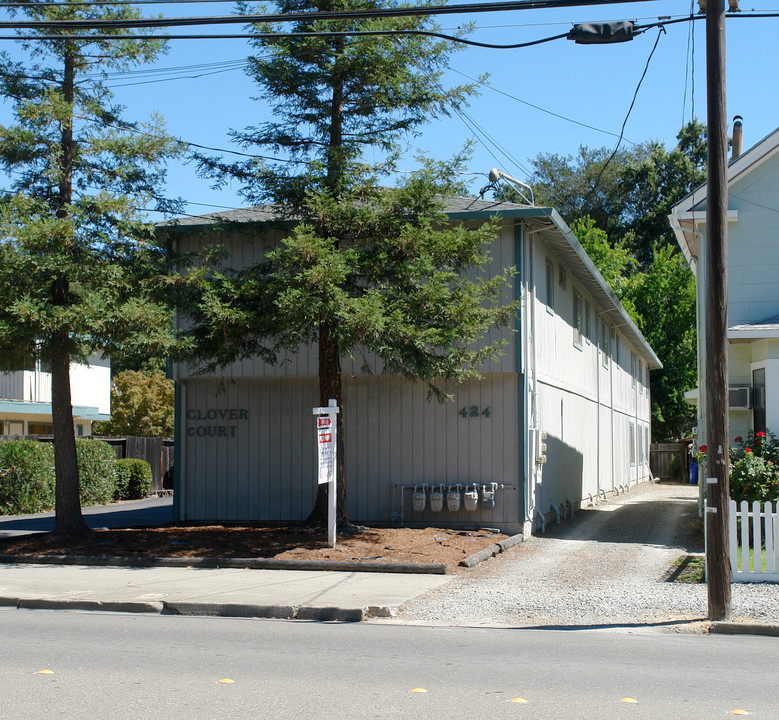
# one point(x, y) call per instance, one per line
point(298, 594)
point(229, 592)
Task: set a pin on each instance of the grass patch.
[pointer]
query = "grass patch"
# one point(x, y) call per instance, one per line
point(688, 569)
point(763, 564)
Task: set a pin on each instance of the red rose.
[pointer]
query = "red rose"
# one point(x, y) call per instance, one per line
point(739, 439)
point(702, 448)
point(761, 434)
point(747, 450)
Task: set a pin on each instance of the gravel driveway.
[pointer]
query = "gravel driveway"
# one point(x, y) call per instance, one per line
point(608, 567)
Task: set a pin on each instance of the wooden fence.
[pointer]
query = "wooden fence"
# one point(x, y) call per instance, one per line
point(670, 461)
point(763, 520)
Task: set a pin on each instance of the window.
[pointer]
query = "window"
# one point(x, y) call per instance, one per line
point(641, 376)
point(616, 348)
point(79, 430)
point(640, 446)
point(632, 443)
point(647, 444)
point(604, 343)
point(549, 285)
point(562, 276)
point(632, 369)
point(578, 319)
point(758, 400)
point(587, 320)
point(40, 428)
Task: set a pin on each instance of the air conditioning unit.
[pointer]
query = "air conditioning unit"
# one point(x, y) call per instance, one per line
point(739, 396)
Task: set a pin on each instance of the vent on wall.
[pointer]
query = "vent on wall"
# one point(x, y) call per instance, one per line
point(739, 396)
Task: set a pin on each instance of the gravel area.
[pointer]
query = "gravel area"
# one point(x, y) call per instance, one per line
point(608, 567)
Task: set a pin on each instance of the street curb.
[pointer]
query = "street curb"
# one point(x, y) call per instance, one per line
point(736, 628)
point(239, 563)
point(491, 551)
point(197, 609)
point(105, 606)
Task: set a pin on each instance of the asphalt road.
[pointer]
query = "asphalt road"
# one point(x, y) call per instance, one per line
point(120, 666)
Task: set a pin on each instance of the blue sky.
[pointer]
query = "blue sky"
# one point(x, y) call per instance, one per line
point(592, 85)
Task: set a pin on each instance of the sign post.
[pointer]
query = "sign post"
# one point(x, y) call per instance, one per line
point(326, 453)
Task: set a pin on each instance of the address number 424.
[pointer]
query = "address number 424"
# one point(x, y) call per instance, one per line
point(474, 411)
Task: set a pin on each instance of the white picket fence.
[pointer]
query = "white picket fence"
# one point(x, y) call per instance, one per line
point(764, 524)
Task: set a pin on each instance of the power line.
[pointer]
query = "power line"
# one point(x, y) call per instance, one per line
point(538, 107)
point(310, 16)
point(660, 32)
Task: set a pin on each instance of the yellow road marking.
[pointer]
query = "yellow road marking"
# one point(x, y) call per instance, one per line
point(45, 672)
point(227, 681)
point(628, 700)
point(418, 690)
point(518, 700)
point(738, 712)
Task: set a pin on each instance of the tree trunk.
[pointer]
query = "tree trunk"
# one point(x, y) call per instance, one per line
point(67, 509)
point(68, 518)
point(330, 387)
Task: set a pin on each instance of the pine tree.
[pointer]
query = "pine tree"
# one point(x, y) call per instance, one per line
point(367, 266)
point(78, 260)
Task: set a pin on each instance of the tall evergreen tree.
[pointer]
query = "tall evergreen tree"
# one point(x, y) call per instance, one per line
point(366, 266)
point(78, 263)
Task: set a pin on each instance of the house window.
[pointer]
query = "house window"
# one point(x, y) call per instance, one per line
point(758, 400)
point(549, 285)
point(616, 348)
point(641, 376)
point(578, 318)
point(79, 430)
point(563, 277)
point(587, 333)
point(14, 427)
point(632, 369)
point(632, 442)
point(604, 340)
point(647, 444)
point(40, 428)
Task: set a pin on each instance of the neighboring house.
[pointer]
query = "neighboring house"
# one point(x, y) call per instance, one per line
point(573, 376)
point(25, 398)
point(753, 285)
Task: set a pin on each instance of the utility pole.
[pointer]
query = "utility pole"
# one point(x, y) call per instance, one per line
point(716, 298)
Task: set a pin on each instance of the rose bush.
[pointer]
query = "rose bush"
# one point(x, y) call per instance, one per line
point(754, 468)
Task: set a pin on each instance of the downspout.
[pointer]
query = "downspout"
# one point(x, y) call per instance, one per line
point(611, 403)
point(597, 409)
point(532, 478)
point(521, 372)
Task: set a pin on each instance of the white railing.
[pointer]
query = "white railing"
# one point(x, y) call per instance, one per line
point(764, 523)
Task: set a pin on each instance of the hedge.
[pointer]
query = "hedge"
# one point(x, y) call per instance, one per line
point(133, 479)
point(27, 475)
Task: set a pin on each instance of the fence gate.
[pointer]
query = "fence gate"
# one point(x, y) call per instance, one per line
point(763, 520)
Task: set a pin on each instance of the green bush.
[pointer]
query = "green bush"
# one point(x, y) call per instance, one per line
point(754, 468)
point(133, 479)
point(97, 472)
point(26, 477)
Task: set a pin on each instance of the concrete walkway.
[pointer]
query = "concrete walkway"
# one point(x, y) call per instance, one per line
point(300, 594)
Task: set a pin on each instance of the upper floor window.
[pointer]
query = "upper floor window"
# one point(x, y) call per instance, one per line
point(605, 333)
point(562, 276)
point(578, 318)
point(549, 285)
point(632, 369)
point(587, 332)
point(641, 376)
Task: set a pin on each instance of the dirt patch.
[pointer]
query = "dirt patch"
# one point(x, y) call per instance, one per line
point(360, 544)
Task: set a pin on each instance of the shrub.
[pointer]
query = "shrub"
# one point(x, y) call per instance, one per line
point(133, 479)
point(97, 471)
point(752, 477)
point(26, 477)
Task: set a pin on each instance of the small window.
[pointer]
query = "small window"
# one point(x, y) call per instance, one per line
point(605, 332)
point(578, 318)
point(79, 430)
point(640, 446)
point(632, 369)
point(616, 348)
point(549, 285)
point(563, 277)
point(641, 375)
point(632, 442)
point(587, 332)
point(647, 444)
point(40, 428)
